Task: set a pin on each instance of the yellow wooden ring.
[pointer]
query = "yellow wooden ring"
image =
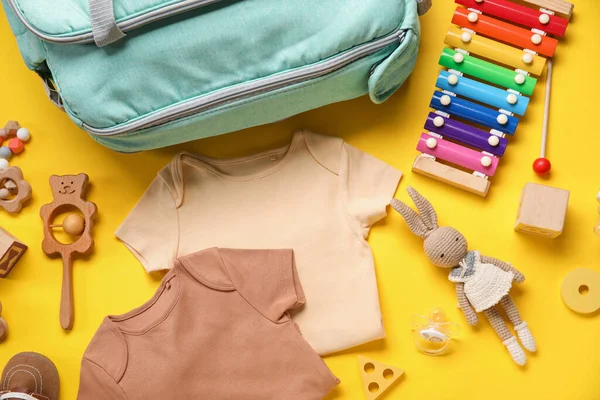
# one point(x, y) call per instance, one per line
point(580, 290)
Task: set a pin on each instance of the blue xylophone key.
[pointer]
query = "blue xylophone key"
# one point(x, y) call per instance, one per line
point(483, 93)
point(473, 112)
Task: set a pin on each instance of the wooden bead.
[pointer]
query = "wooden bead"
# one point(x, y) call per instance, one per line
point(3, 163)
point(12, 127)
point(16, 146)
point(4, 194)
point(74, 224)
point(11, 186)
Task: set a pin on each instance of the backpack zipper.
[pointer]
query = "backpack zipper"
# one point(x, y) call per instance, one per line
point(126, 25)
point(227, 95)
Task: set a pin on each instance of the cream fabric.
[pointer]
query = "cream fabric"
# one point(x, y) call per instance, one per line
point(485, 285)
point(318, 196)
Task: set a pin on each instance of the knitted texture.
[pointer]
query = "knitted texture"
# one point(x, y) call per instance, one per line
point(445, 247)
point(516, 352)
point(464, 304)
point(497, 323)
point(519, 278)
point(487, 285)
point(526, 337)
point(509, 306)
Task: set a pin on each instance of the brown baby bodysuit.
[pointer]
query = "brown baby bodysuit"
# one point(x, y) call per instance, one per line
point(217, 328)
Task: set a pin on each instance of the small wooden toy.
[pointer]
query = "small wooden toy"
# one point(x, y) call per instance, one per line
point(3, 326)
point(11, 186)
point(580, 290)
point(11, 251)
point(15, 145)
point(377, 377)
point(11, 128)
point(68, 191)
point(21, 194)
point(542, 210)
point(73, 224)
point(496, 49)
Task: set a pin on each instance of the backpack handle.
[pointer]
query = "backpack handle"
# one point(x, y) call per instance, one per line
point(104, 24)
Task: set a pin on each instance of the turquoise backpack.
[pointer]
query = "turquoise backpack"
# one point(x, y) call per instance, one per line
point(143, 74)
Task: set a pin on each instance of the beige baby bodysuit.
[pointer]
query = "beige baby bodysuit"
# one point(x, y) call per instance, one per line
point(217, 328)
point(318, 196)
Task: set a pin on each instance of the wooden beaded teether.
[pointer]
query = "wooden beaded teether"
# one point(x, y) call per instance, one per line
point(13, 183)
point(68, 192)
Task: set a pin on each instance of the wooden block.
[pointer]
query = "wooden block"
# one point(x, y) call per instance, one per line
point(377, 377)
point(560, 7)
point(11, 250)
point(430, 168)
point(12, 127)
point(542, 210)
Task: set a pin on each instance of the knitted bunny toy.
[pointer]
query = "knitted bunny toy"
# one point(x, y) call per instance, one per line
point(482, 282)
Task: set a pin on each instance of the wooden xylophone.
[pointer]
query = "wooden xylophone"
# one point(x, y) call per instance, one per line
point(496, 49)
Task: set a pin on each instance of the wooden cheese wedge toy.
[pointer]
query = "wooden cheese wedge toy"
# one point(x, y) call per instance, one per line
point(580, 290)
point(377, 377)
point(496, 50)
point(69, 192)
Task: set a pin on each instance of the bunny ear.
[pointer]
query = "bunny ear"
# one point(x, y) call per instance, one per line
point(414, 221)
point(428, 214)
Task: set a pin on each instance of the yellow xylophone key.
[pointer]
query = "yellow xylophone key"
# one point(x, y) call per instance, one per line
point(495, 51)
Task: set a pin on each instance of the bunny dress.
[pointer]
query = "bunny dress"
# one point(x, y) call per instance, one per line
point(485, 284)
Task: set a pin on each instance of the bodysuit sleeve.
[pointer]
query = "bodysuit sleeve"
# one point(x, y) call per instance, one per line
point(96, 384)
point(367, 186)
point(267, 279)
point(151, 230)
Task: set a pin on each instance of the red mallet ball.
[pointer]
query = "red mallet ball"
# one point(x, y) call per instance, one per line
point(542, 166)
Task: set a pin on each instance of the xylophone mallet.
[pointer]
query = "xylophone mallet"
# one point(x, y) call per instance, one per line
point(542, 165)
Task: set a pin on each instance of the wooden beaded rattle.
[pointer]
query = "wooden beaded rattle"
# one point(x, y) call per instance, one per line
point(13, 183)
point(68, 192)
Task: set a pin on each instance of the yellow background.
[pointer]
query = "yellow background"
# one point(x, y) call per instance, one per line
point(111, 281)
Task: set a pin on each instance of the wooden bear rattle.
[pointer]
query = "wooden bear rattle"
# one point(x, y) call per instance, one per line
point(68, 192)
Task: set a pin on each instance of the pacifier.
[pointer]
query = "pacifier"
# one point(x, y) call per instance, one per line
point(433, 333)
